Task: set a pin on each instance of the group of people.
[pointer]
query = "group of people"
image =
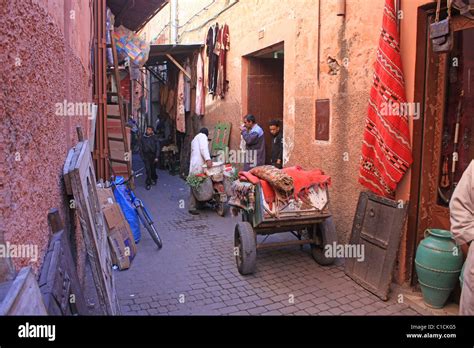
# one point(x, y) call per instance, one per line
point(253, 136)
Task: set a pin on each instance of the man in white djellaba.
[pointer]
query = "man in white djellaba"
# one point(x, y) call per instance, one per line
point(199, 156)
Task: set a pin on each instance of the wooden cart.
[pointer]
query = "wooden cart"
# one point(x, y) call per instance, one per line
point(310, 225)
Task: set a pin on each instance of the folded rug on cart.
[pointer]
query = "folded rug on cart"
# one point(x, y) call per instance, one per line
point(303, 180)
point(281, 182)
point(268, 191)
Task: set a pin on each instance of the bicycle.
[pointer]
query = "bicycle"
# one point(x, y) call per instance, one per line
point(140, 208)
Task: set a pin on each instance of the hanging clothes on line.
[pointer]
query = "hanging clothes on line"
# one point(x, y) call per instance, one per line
point(213, 62)
point(200, 93)
point(180, 105)
point(223, 45)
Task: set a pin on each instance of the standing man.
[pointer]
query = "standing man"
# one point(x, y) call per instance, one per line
point(254, 139)
point(462, 226)
point(150, 152)
point(199, 156)
point(277, 144)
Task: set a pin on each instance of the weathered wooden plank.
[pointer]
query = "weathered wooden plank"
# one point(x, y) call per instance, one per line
point(93, 227)
point(377, 228)
point(67, 179)
point(69, 166)
point(58, 282)
point(23, 296)
point(113, 110)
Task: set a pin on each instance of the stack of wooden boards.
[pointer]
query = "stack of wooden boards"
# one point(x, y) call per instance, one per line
point(80, 181)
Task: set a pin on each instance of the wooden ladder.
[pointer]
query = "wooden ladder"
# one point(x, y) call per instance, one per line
point(120, 155)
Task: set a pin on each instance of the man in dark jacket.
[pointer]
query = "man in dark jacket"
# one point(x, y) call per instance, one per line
point(254, 139)
point(150, 152)
point(277, 144)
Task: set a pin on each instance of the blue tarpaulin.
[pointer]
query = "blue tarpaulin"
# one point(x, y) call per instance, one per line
point(128, 210)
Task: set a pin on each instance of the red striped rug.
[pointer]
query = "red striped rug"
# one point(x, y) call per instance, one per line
point(386, 150)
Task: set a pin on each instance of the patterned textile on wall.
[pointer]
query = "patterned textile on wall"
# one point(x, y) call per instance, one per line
point(386, 150)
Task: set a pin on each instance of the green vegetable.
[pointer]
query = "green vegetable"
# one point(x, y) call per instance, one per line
point(195, 181)
point(235, 174)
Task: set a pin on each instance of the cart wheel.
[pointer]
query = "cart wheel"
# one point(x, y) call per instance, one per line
point(327, 234)
point(221, 209)
point(245, 244)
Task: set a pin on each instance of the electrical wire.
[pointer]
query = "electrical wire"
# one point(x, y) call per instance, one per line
point(197, 14)
point(167, 25)
point(209, 20)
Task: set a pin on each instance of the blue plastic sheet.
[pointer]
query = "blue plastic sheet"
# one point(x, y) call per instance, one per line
point(128, 210)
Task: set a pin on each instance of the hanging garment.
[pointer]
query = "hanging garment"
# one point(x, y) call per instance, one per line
point(187, 87)
point(216, 60)
point(200, 93)
point(164, 96)
point(180, 109)
point(193, 68)
point(212, 58)
point(170, 103)
point(223, 44)
point(209, 53)
point(386, 150)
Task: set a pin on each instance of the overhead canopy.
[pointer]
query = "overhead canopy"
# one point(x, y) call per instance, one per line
point(134, 14)
point(160, 53)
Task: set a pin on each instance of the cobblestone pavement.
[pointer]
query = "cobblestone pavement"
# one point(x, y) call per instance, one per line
point(195, 272)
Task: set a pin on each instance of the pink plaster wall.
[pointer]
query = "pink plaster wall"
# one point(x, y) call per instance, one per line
point(45, 59)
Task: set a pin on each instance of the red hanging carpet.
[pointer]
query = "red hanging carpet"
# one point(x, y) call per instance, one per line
point(386, 150)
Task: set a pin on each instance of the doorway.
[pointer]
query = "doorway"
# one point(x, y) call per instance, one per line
point(264, 88)
point(445, 87)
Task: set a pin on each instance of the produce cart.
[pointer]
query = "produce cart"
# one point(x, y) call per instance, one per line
point(308, 220)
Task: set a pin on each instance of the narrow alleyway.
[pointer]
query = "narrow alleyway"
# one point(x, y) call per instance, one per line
point(195, 272)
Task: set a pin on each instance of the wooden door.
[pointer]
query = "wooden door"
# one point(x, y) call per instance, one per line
point(447, 77)
point(265, 94)
point(377, 228)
